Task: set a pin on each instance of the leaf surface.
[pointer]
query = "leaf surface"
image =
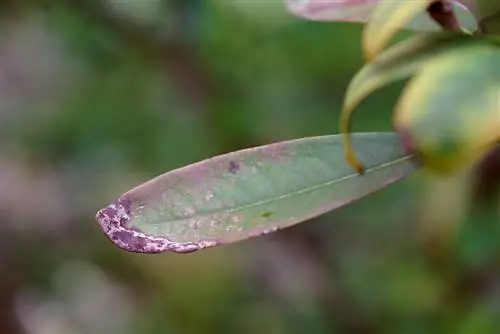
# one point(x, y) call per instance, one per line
point(389, 16)
point(450, 112)
point(250, 192)
point(397, 63)
point(400, 62)
point(361, 11)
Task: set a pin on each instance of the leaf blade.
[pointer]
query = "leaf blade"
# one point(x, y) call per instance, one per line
point(387, 19)
point(250, 192)
point(450, 111)
point(361, 11)
point(400, 62)
point(390, 16)
point(397, 63)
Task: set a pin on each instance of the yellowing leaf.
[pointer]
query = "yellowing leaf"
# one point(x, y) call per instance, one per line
point(449, 114)
point(390, 16)
point(397, 63)
point(387, 19)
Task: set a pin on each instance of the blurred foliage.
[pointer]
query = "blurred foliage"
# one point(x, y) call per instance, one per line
point(97, 97)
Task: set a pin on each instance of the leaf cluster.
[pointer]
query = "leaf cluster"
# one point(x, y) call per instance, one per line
point(447, 117)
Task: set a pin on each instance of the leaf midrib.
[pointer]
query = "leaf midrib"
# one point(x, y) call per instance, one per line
point(290, 194)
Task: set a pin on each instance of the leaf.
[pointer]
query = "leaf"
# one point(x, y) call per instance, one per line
point(332, 10)
point(401, 61)
point(491, 24)
point(397, 63)
point(249, 193)
point(450, 112)
point(387, 19)
point(390, 16)
point(362, 10)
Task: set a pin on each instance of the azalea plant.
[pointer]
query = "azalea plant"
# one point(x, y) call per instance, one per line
point(447, 118)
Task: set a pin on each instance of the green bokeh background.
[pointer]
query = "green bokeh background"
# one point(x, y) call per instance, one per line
point(97, 97)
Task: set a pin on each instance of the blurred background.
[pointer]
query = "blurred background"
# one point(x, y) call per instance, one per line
point(99, 96)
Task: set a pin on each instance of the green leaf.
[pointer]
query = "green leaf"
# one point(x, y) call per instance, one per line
point(401, 61)
point(397, 63)
point(450, 112)
point(250, 192)
point(390, 16)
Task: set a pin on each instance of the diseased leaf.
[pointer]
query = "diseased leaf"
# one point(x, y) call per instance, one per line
point(397, 63)
point(250, 192)
point(390, 16)
point(450, 112)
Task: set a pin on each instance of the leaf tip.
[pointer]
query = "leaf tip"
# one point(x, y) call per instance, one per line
point(345, 130)
point(113, 221)
point(371, 45)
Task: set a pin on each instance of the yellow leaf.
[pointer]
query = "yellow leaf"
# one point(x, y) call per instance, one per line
point(390, 16)
point(397, 63)
point(450, 112)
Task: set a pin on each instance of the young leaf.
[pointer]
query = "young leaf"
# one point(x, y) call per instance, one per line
point(397, 63)
point(450, 112)
point(401, 61)
point(362, 10)
point(390, 16)
point(250, 192)
point(387, 19)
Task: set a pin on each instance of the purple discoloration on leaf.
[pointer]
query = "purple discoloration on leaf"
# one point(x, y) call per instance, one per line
point(234, 167)
point(248, 193)
point(113, 220)
point(357, 10)
point(332, 10)
point(406, 140)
